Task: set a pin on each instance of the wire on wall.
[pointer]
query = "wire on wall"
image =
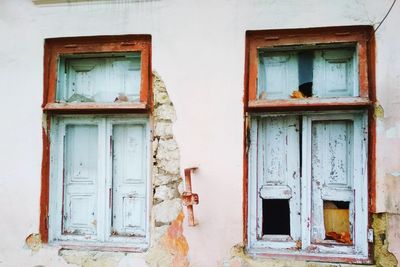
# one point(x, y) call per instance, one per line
point(387, 14)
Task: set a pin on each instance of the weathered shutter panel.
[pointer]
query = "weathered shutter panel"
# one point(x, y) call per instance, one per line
point(101, 79)
point(279, 165)
point(335, 73)
point(332, 159)
point(278, 75)
point(124, 77)
point(80, 179)
point(81, 79)
point(129, 180)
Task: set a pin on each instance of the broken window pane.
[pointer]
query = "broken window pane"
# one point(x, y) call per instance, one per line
point(306, 61)
point(99, 78)
point(303, 73)
point(276, 217)
point(337, 221)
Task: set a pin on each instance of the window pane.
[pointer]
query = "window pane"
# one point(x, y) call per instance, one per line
point(99, 79)
point(304, 73)
point(129, 180)
point(80, 184)
point(337, 221)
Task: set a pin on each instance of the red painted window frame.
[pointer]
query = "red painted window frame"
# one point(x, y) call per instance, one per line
point(54, 48)
point(363, 37)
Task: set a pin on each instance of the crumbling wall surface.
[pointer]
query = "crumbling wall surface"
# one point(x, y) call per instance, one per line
point(393, 235)
point(392, 219)
point(382, 254)
point(168, 246)
point(239, 258)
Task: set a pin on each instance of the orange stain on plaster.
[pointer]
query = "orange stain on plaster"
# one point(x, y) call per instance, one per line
point(175, 242)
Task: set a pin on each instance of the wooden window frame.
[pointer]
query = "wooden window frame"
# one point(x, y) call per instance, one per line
point(363, 38)
point(54, 48)
point(311, 37)
point(58, 47)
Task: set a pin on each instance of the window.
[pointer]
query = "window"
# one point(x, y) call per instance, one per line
point(307, 109)
point(96, 160)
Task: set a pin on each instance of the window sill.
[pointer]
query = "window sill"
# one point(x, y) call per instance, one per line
point(138, 247)
point(310, 103)
point(95, 107)
point(308, 256)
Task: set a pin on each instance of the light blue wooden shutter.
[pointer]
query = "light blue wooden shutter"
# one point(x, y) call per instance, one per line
point(80, 179)
point(335, 169)
point(335, 73)
point(279, 167)
point(100, 79)
point(278, 75)
point(129, 179)
point(332, 156)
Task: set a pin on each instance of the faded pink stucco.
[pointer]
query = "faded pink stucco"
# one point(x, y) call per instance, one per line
point(198, 49)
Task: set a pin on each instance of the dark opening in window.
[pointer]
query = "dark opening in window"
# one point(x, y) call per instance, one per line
point(276, 217)
point(306, 59)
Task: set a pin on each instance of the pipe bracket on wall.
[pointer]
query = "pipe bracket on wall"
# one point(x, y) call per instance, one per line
point(188, 197)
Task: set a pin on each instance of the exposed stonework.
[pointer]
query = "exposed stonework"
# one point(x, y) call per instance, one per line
point(33, 242)
point(171, 248)
point(168, 246)
point(378, 111)
point(166, 160)
point(91, 258)
point(383, 257)
point(166, 211)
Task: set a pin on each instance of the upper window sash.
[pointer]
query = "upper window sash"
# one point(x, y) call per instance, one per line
point(260, 43)
point(59, 52)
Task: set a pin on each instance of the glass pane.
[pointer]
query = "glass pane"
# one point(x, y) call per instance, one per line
point(304, 73)
point(99, 79)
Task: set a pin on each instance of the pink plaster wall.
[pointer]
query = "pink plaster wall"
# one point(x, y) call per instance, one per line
point(198, 49)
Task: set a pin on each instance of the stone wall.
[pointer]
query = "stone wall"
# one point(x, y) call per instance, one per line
point(169, 246)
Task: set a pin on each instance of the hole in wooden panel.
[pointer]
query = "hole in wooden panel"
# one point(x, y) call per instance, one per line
point(337, 221)
point(276, 217)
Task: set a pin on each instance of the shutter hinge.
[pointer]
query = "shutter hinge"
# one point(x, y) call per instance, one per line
point(370, 235)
